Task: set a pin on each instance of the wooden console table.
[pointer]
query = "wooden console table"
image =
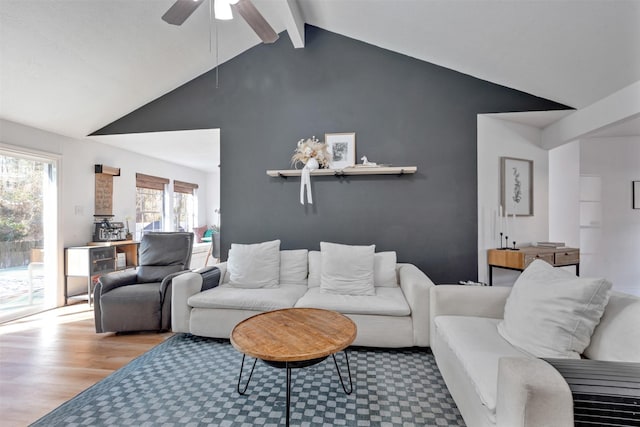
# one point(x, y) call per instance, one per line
point(520, 259)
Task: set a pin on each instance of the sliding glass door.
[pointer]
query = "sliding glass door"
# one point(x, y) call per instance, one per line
point(28, 212)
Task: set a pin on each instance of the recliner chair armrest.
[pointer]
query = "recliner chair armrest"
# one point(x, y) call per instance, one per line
point(120, 278)
point(532, 393)
point(105, 284)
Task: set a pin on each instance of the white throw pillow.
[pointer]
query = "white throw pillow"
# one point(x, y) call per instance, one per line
point(346, 269)
point(551, 312)
point(384, 269)
point(254, 266)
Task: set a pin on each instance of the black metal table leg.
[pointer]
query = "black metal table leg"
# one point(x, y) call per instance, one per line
point(244, 390)
point(340, 374)
point(288, 391)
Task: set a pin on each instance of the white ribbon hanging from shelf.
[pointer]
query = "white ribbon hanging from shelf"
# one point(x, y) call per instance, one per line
point(305, 180)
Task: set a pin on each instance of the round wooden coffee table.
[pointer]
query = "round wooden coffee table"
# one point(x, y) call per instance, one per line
point(294, 338)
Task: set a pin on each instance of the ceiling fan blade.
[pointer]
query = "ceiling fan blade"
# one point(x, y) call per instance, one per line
point(254, 18)
point(180, 11)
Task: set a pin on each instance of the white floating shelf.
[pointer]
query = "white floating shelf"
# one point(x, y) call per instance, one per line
point(396, 170)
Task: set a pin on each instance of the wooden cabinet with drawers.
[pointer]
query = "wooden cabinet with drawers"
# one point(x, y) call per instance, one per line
point(520, 259)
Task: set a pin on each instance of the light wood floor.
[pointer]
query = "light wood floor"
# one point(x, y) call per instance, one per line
point(49, 358)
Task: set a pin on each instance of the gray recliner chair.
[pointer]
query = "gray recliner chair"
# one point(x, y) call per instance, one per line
point(140, 299)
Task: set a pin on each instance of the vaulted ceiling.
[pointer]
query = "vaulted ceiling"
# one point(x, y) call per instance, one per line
point(73, 66)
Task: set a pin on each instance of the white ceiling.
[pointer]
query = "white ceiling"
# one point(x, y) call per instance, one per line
point(74, 66)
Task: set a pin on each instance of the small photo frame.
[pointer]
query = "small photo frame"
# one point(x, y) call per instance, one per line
point(342, 149)
point(516, 177)
point(635, 191)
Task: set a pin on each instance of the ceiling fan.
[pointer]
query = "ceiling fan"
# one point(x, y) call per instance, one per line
point(182, 9)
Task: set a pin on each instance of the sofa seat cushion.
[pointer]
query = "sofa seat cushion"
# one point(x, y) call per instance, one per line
point(261, 299)
point(478, 346)
point(386, 302)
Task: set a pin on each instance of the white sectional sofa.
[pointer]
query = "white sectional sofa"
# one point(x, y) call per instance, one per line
point(496, 383)
point(397, 315)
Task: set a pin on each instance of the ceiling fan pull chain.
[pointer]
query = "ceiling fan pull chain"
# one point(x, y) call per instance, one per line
point(217, 64)
point(216, 29)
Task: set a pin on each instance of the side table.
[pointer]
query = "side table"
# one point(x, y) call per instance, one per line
point(520, 259)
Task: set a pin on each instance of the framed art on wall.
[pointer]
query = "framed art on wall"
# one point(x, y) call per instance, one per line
point(636, 194)
point(342, 149)
point(516, 178)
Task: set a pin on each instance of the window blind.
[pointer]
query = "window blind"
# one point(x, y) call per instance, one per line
point(183, 187)
point(149, 181)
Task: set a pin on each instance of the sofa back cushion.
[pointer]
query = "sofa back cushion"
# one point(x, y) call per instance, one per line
point(617, 336)
point(315, 268)
point(384, 269)
point(347, 269)
point(294, 267)
point(254, 266)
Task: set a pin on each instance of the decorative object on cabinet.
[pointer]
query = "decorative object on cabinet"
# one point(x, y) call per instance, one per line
point(85, 264)
point(342, 149)
point(516, 179)
point(520, 259)
point(104, 190)
point(636, 194)
point(388, 170)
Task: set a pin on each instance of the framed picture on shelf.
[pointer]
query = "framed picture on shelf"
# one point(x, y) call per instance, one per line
point(636, 194)
point(342, 149)
point(516, 178)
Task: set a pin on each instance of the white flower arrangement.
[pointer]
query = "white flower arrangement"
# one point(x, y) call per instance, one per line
point(311, 148)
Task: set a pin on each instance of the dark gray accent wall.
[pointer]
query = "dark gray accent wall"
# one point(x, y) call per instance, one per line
point(404, 112)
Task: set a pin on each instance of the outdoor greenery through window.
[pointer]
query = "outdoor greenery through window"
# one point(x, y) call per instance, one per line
point(27, 209)
point(149, 210)
point(149, 204)
point(184, 206)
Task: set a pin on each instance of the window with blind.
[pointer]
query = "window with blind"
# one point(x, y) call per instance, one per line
point(184, 206)
point(150, 191)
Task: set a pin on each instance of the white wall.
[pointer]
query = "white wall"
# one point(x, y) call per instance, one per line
point(499, 138)
point(617, 162)
point(213, 198)
point(77, 180)
point(564, 194)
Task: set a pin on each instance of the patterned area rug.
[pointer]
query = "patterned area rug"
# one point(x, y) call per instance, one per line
point(191, 381)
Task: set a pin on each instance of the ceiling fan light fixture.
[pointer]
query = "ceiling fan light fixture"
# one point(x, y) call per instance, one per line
point(222, 10)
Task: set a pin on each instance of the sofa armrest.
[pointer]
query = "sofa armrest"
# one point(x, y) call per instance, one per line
point(459, 300)
point(184, 286)
point(532, 393)
point(415, 285)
